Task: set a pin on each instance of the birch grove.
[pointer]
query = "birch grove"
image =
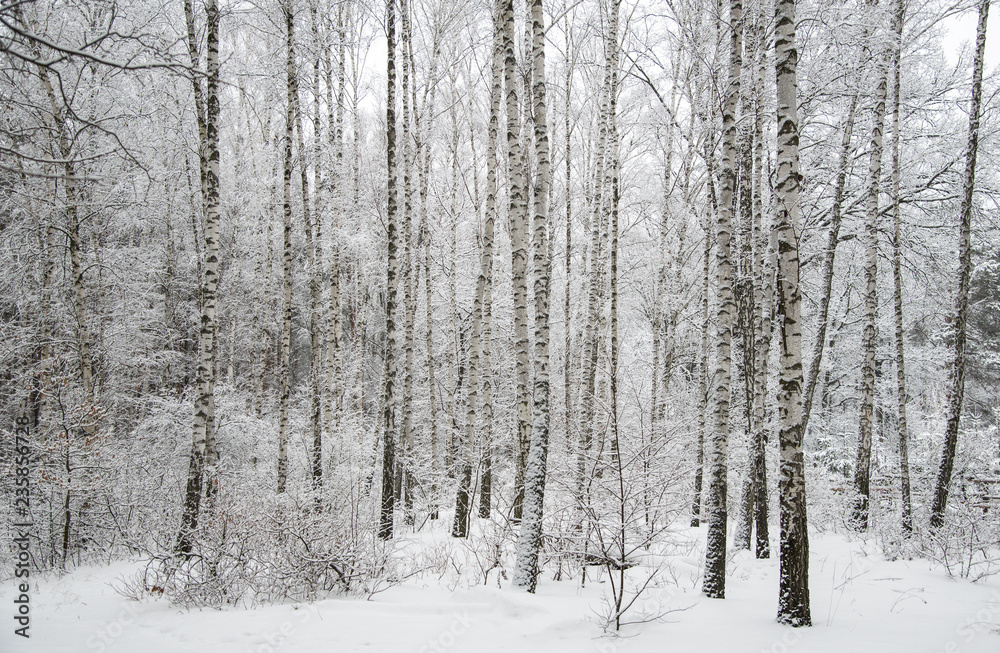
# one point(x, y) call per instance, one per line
point(306, 297)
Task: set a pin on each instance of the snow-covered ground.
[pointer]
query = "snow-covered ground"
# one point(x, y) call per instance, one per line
point(860, 602)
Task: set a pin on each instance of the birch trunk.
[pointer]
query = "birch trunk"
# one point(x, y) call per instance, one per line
point(312, 238)
point(957, 373)
point(335, 197)
point(409, 296)
point(757, 313)
point(714, 583)
point(702, 377)
point(567, 312)
point(822, 320)
point(793, 583)
point(455, 337)
point(202, 453)
point(388, 503)
point(519, 253)
point(286, 323)
point(594, 292)
point(765, 275)
point(422, 155)
point(489, 226)
point(530, 539)
point(897, 277)
point(862, 468)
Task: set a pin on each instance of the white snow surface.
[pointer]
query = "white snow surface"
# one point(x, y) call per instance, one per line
point(860, 602)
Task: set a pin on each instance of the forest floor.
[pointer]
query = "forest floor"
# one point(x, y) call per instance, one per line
point(860, 602)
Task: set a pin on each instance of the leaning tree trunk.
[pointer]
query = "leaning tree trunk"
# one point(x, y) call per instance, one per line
point(829, 255)
point(862, 468)
point(204, 401)
point(897, 277)
point(388, 504)
point(714, 584)
point(793, 582)
point(957, 391)
point(530, 540)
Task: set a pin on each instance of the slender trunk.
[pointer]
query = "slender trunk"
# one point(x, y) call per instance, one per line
point(409, 295)
point(422, 119)
point(530, 540)
point(312, 237)
point(822, 319)
point(334, 196)
point(766, 259)
point(429, 346)
point(203, 454)
point(486, 482)
point(519, 253)
point(388, 504)
point(594, 291)
point(702, 379)
point(957, 390)
point(703, 392)
point(793, 583)
point(755, 353)
point(862, 468)
point(897, 277)
point(714, 584)
point(567, 312)
point(286, 324)
point(453, 353)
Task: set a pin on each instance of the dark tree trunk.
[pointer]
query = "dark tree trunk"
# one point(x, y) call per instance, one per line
point(957, 391)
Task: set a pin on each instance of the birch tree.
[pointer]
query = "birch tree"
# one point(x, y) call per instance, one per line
point(409, 294)
point(793, 581)
point(519, 252)
point(489, 226)
point(209, 155)
point(530, 540)
point(714, 583)
point(757, 338)
point(829, 256)
point(286, 322)
point(312, 231)
point(335, 197)
point(388, 502)
point(862, 468)
point(897, 276)
point(957, 368)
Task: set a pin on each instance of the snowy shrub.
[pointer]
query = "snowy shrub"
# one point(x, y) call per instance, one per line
point(968, 544)
point(268, 550)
